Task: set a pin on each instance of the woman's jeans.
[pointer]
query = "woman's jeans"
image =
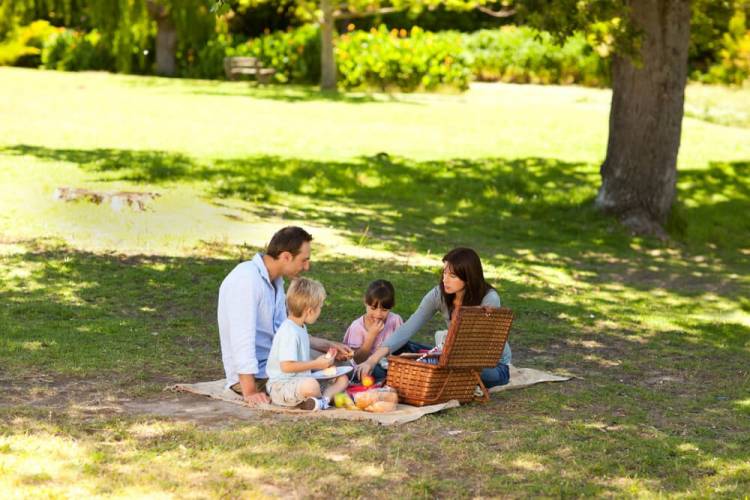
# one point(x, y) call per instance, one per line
point(499, 375)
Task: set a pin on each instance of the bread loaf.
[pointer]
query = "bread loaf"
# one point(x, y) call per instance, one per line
point(381, 407)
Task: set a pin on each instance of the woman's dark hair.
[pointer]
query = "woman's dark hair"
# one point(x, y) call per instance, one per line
point(380, 293)
point(465, 263)
point(288, 239)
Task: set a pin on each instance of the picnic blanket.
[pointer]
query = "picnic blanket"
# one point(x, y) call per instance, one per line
point(519, 378)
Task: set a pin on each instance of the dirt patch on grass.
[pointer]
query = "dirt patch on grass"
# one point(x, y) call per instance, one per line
point(86, 398)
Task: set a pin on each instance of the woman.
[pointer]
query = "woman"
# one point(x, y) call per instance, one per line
point(462, 283)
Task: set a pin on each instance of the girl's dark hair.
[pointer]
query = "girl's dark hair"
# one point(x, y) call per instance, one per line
point(380, 293)
point(465, 263)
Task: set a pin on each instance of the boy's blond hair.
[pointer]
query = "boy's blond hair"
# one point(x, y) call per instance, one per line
point(304, 293)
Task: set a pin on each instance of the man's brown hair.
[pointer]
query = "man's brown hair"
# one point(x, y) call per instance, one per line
point(289, 239)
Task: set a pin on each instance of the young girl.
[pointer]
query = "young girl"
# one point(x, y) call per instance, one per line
point(367, 332)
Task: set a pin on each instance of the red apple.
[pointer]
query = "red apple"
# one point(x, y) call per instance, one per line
point(368, 380)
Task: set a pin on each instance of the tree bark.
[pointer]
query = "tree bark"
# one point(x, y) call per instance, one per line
point(639, 172)
point(166, 47)
point(327, 58)
point(166, 39)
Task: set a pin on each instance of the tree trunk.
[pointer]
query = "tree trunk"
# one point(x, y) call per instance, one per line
point(327, 58)
point(639, 172)
point(166, 46)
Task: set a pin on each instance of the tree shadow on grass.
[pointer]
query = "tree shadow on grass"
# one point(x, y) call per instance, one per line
point(536, 210)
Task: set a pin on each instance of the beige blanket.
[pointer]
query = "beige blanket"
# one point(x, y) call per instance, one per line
point(525, 377)
point(519, 377)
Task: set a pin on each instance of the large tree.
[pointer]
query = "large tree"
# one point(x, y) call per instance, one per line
point(651, 39)
point(639, 173)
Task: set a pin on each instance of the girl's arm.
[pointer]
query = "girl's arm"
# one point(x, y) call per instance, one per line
point(364, 351)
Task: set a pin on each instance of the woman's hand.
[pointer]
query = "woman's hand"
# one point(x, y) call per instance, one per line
point(364, 368)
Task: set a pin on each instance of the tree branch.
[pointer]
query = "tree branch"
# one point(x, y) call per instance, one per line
point(496, 13)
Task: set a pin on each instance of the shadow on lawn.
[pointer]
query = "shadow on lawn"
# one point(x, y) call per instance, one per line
point(530, 209)
point(285, 93)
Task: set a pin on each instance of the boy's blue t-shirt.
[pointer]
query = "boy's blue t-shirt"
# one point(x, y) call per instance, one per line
point(291, 343)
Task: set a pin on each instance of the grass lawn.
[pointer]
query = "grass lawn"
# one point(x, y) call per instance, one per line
point(100, 308)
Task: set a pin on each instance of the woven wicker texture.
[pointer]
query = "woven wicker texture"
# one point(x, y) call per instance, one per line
point(421, 384)
point(475, 340)
point(476, 337)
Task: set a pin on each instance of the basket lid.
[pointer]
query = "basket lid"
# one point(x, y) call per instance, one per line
point(476, 337)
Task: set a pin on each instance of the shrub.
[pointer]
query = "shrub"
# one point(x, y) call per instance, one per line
point(209, 62)
point(522, 55)
point(391, 59)
point(295, 54)
point(734, 66)
point(71, 50)
point(377, 59)
point(24, 46)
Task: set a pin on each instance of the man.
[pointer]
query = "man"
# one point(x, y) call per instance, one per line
point(252, 305)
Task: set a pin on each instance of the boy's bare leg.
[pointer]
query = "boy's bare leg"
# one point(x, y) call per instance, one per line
point(309, 388)
point(338, 386)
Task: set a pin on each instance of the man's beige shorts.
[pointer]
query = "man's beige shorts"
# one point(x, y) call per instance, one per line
point(287, 392)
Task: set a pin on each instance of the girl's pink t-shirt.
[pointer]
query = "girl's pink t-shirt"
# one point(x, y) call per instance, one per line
point(355, 334)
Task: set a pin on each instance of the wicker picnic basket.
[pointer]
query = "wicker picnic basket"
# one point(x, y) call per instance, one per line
point(476, 338)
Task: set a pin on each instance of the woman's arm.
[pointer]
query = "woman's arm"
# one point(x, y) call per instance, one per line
point(426, 310)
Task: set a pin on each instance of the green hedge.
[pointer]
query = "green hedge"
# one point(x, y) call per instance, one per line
point(378, 58)
point(24, 45)
point(70, 50)
point(402, 60)
point(522, 55)
point(734, 64)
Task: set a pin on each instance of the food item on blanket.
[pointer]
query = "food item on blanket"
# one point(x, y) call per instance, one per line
point(331, 353)
point(368, 380)
point(381, 407)
point(364, 400)
point(342, 400)
point(329, 372)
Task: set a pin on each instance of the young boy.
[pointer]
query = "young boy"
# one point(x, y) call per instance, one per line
point(289, 365)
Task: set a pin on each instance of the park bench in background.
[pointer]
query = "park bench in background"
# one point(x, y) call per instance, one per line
point(235, 66)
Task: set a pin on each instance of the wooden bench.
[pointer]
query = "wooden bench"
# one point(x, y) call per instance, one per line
point(236, 66)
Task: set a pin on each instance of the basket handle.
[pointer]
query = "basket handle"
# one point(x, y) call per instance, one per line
point(439, 394)
point(485, 393)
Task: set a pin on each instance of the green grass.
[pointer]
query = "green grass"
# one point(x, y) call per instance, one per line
point(100, 306)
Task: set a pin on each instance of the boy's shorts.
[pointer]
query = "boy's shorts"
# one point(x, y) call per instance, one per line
point(287, 392)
